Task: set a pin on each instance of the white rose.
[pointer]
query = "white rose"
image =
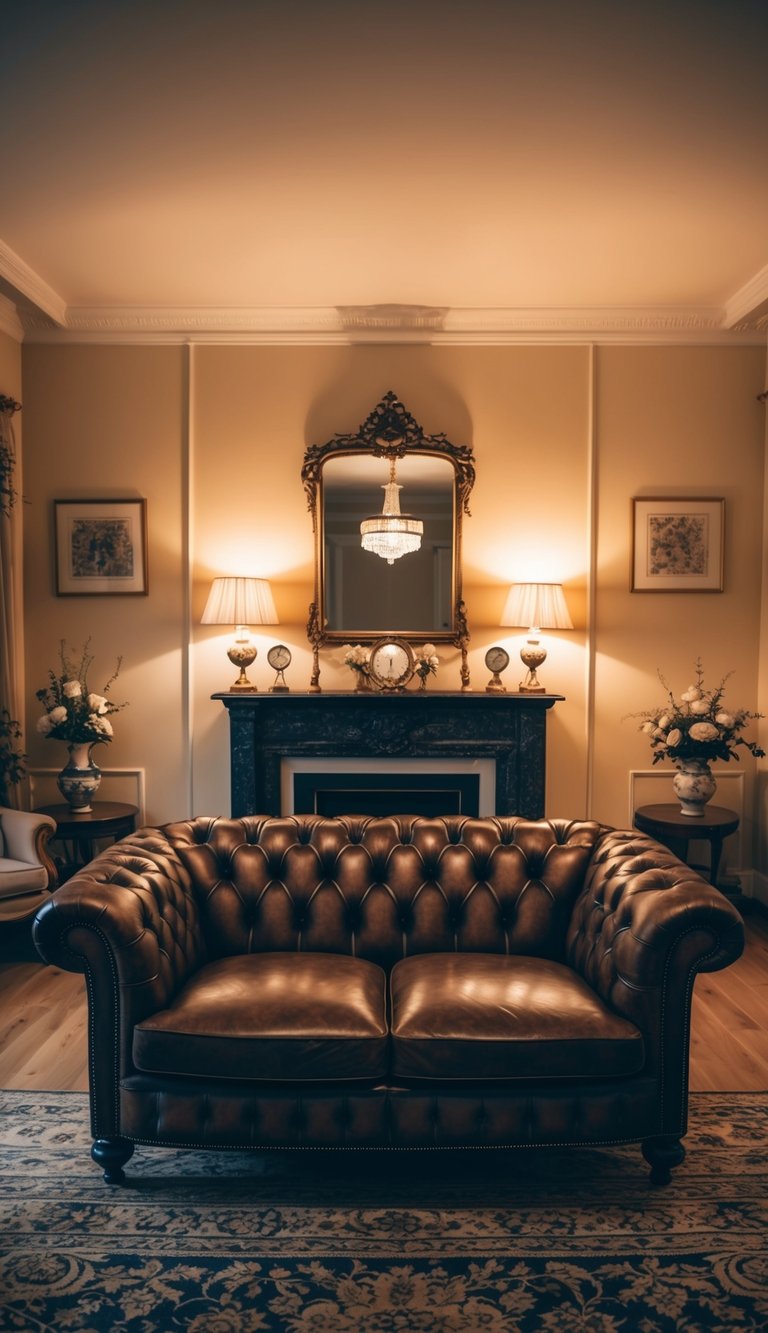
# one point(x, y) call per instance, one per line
point(428, 650)
point(648, 728)
point(101, 724)
point(97, 703)
point(699, 707)
point(692, 693)
point(674, 738)
point(703, 731)
point(44, 725)
point(658, 733)
point(664, 721)
point(72, 689)
point(57, 715)
point(726, 719)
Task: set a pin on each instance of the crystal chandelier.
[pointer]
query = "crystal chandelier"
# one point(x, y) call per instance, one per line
point(391, 534)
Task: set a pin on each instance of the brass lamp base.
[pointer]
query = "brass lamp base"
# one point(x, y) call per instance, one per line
point(532, 655)
point(242, 655)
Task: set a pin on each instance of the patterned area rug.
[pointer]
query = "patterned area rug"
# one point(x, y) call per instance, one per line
point(385, 1243)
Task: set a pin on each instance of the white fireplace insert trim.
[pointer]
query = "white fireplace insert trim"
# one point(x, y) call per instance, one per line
point(484, 768)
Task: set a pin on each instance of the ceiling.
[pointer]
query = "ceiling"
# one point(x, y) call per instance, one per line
point(344, 169)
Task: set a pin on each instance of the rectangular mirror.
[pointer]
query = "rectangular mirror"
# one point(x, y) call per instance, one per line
point(363, 594)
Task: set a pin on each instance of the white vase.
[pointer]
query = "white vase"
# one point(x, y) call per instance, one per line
point(80, 778)
point(693, 785)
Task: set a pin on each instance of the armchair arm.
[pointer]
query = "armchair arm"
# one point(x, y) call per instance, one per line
point(130, 921)
point(25, 836)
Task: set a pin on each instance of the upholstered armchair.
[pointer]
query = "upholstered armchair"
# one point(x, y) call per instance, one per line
point(27, 873)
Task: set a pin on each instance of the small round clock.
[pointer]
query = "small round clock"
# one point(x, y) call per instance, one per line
point(496, 660)
point(279, 657)
point(391, 664)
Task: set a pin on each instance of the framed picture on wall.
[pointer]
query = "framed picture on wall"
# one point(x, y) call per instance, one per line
point(677, 545)
point(101, 547)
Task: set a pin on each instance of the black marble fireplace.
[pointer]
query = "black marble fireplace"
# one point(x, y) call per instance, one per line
point(509, 729)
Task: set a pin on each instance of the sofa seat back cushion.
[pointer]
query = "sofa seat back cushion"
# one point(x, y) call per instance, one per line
point(290, 1016)
point(482, 1016)
point(384, 889)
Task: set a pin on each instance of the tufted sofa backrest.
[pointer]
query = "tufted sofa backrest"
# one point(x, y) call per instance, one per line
point(383, 889)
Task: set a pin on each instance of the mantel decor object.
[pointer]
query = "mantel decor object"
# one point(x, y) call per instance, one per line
point(538, 606)
point(242, 602)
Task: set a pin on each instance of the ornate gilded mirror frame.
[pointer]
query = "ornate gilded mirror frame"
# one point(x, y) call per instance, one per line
point(390, 433)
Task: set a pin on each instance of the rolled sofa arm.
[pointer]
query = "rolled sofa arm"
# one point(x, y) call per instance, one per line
point(643, 926)
point(129, 919)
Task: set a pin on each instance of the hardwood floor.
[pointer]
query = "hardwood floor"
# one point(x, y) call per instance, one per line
point(43, 1020)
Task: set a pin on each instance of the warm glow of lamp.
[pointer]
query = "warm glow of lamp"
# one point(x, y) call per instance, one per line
point(391, 534)
point(537, 606)
point(240, 602)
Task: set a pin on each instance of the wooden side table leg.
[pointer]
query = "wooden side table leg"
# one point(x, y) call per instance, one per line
point(716, 849)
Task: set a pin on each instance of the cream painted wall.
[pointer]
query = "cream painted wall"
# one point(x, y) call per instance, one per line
point(109, 422)
point(525, 413)
point(674, 421)
point(214, 437)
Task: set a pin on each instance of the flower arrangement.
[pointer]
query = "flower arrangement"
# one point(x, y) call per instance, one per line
point(73, 712)
point(426, 662)
point(357, 658)
point(698, 725)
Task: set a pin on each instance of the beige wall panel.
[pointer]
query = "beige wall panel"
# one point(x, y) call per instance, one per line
point(524, 411)
point(673, 421)
point(107, 422)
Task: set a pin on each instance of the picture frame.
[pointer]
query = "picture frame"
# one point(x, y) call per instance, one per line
point(101, 548)
point(677, 544)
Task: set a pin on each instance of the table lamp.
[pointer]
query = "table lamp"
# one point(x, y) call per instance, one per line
point(537, 606)
point(240, 602)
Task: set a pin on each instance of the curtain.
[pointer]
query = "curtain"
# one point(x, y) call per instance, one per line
point(10, 686)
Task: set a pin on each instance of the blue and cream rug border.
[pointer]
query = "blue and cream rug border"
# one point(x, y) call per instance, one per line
point(383, 1243)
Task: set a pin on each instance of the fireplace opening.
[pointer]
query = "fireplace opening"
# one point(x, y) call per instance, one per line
point(382, 794)
point(363, 785)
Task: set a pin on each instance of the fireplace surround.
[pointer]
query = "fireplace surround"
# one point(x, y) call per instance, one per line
point(266, 729)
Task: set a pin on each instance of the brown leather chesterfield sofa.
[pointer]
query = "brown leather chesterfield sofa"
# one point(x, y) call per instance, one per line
point(405, 982)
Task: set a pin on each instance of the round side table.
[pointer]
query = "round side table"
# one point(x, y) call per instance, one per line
point(79, 832)
point(676, 830)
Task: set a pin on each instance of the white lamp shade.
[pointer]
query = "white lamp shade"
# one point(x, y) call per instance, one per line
point(240, 601)
point(536, 606)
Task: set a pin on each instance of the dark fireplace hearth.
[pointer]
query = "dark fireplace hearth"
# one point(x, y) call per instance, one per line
point(267, 729)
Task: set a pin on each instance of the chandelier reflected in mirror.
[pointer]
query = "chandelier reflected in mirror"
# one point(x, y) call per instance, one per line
point(391, 534)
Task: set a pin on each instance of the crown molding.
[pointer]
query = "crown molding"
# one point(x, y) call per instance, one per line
point(30, 285)
point(387, 323)
point(9, 320)
point(748, 307)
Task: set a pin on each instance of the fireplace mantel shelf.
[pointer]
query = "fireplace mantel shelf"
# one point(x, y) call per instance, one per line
point(509, 728)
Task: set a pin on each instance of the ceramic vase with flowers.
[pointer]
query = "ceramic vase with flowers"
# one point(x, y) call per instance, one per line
point(75, 714)
point(692, 731)
point(425, 664)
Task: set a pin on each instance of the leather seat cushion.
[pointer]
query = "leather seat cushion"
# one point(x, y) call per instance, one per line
point(291, 1016)
point(498, 1016)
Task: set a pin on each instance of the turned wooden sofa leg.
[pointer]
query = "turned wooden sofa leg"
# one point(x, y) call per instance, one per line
point(111, 1155)
point(662, 1155)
